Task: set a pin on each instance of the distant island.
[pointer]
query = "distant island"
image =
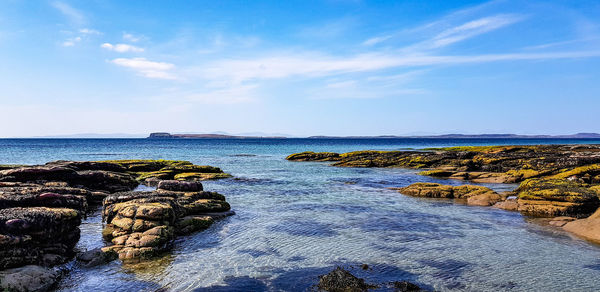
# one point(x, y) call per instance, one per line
point(165, 135)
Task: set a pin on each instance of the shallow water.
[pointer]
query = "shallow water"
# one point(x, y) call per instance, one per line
point(296, 220)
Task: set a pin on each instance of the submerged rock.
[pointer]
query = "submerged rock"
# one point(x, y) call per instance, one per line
point(29, 278)
point(95, 257)
point(340, 280)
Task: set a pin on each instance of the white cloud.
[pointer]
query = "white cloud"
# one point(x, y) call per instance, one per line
point(89, 31)
point(71, 42)
point(130, 37)
point(146, 68)
point(122, 48)
point(73, 14)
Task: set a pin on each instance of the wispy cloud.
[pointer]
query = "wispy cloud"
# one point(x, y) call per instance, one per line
point(74, 15)
point(131, 37)
point(471, 29)
point(79, 36)
point(316, 65)
point(328, 29)
point(376, 40)
point(71, 42)
point(122, 48)
point(89, 31)
point(147, 68)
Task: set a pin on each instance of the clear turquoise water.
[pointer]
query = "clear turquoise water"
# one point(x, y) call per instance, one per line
point(296, 221)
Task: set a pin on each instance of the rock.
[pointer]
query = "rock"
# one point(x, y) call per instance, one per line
point(486, 199)
point(95, 257)
point(508, 204)
point(588, 228)
point(41, 208)
point(341, 280)
point(189, 224)
point(151, 172)
point(38, 173)
point(180, 186)
point(105, 181)
point(40, 197)
point(144, 224)
point(473, 195)
point(556, 197)
point(485, 164)
point(37, 235)
point(29, 278)
point(561, 221)
point(88, 165)
point(313, 156)
point(405, 286)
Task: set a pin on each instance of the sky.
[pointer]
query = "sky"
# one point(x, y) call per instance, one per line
point(300, 68)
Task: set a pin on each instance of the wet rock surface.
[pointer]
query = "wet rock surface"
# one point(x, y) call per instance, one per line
point(37, 235)
point(470, 194)
point(41, 208)
point(29, 279)
point(144, 224)
point(341, 280)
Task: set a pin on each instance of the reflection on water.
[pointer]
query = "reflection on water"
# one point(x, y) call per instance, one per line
point(295, 221)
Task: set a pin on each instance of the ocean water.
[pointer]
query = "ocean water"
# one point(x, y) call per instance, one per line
point(297, 220)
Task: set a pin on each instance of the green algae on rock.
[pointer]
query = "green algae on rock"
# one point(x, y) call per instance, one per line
point(556, 197)
point(472, 195)
point(152, 171)
point(485, 164)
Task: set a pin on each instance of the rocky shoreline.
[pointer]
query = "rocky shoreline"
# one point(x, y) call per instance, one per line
point(555, 181)
point(41, 208)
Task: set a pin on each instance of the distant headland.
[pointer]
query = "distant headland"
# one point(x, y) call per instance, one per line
point(165, 135)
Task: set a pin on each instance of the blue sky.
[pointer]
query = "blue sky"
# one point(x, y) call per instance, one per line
point(299, 67)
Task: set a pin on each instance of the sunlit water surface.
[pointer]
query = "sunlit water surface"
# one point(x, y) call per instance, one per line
point(298, 220)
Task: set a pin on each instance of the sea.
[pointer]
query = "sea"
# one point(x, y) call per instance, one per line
point(297, 220)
